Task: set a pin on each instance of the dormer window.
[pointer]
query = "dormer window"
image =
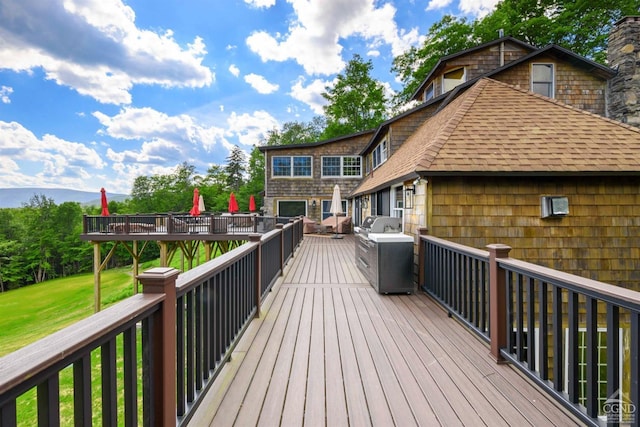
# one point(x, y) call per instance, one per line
point(379, 154)
point(429, 93)
point(542, 79)
point(453, 78)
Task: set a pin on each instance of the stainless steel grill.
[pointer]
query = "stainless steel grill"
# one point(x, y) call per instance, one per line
point(385, 255)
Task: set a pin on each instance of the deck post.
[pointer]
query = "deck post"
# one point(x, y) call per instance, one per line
point(279, 227)
point(422, 231)
point(497, 300)
point(162, 280)
point(257, 238)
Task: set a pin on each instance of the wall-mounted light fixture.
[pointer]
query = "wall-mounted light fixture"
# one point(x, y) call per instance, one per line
point(314, 203)
point(409, 191)
point(365, 201)
point(554, 206)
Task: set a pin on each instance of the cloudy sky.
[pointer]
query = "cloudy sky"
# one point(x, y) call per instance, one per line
point(96, 92)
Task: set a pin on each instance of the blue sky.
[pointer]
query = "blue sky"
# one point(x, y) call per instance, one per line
point(94, 93)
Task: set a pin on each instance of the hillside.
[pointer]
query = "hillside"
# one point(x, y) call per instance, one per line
point(17, 197)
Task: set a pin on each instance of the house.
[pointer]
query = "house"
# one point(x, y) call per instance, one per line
point(561, 186)
point(511, 144)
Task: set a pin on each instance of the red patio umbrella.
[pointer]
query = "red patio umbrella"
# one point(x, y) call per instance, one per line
point(233, 204)
point(252, 203)
point(195, 210)
point(103, 202)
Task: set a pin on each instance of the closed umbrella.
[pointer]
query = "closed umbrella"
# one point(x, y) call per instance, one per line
point(103, 202)
point(233, 204)
point(252, 203)
point(195, 210)
point(336, 207)
point(201, 204)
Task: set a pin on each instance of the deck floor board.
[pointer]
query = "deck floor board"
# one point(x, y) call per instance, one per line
point(330, 351)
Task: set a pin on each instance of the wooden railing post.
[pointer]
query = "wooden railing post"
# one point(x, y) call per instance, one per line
point(497, 300)
point(422, 231)
point(281, 229)
point(162, 280)
point(258, 270)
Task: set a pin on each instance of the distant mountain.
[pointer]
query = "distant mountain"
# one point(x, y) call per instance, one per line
point(17, 197)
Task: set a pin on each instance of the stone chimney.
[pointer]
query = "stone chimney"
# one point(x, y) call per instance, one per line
point(623, 55)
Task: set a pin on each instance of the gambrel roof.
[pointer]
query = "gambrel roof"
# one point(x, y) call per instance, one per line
point(495, 128)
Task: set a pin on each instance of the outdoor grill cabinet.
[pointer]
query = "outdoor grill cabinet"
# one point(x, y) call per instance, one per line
point(386, 260)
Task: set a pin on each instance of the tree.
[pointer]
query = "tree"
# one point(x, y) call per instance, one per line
point(356, 101)
point(235, 168)
point(581, 26)
point(296, 132)
point(164, 193)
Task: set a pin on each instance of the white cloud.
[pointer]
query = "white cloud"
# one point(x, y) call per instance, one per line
point(112, 57)
point(260, 84)
point(54, 160)
point(313, 39)
point(474, 8)
point(234, 70)
point(311, 94)
point(261, 3)
point(147, 124)
point(5, 91)
point(250, 129)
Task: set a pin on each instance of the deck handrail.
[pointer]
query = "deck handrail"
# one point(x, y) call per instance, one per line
point(504, 299)
point(189, 325)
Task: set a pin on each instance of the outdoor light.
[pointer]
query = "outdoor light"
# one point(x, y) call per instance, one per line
point(365, 202)
point(314, 203)
point(409, 191)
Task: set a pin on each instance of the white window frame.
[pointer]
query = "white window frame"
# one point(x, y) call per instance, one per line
point(291, 167)
point(325, 205)
point(381, 152)
point(429, 92)
point(445, 85)
point(342, 167)
point(551, 84)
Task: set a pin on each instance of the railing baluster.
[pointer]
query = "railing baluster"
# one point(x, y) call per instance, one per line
point(613, 351)
point(82, 410)
point(544, 331)
point(591, 402)
point(558, 330)
point(191, 387)
point(109, 383)
point(572, 354)
point(49, 401)
point(634, 362)
point(130, 376)
point(519, 318)
point(180, 356)
point(198, 337)
point(531, 324)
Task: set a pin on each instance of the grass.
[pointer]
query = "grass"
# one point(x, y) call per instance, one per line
point(33, 312)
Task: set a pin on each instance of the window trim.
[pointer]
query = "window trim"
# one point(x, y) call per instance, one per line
point(552, 83)
point(291, 174)
point(461, 81)
point(342, 167)
point(383, 148)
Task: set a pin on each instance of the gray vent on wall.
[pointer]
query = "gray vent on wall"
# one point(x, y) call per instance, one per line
point(554, 206)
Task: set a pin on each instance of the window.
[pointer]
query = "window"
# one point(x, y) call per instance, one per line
point(336, 166)
point(291, 166)
point(542, 79)
point(429, 92)
point(326, 208)
point(379, 154)
point(453, 78)
point(292, 208)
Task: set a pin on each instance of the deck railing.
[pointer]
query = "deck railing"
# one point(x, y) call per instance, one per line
point(180, 223)
point(153, 355)
point(575, 337)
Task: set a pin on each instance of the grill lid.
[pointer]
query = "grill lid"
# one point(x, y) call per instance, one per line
point(381, 224)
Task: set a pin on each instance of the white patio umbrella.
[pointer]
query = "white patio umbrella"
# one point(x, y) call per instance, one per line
point(336, 208)
point(201, 204)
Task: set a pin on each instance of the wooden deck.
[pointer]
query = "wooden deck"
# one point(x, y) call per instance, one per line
point(330, 351)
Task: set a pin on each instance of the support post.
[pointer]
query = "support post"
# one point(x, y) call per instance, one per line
point(97, 267)
point(162, 280)
point(497, 300)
